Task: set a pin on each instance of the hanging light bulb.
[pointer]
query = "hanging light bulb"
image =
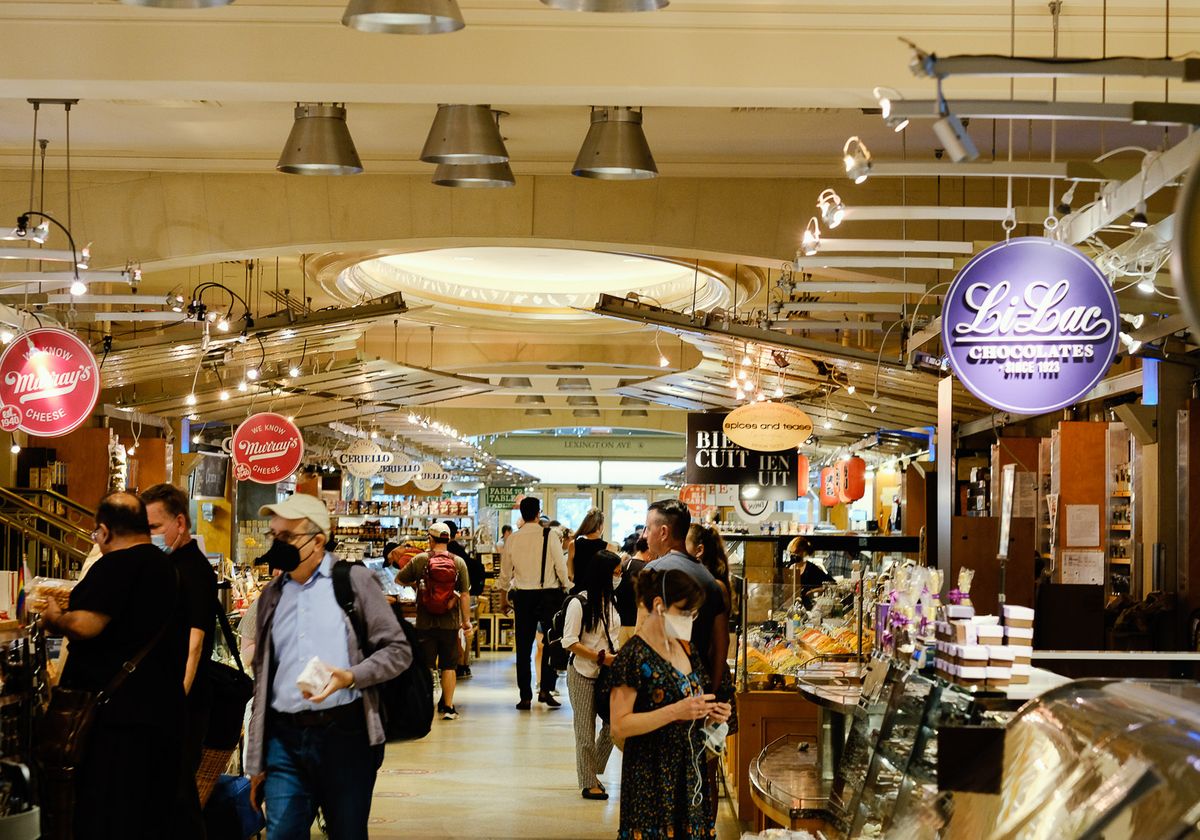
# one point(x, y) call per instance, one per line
point(810, 243)
point(746, 360)
point(195, 439)
point(293, 371)
point(374, 434)
point(873, 408)
point(6, 336)
point(78, 287)
point(15, 448)
point(223, 396)
point(741, 395)
point(132, 449)
point(827, 424)
point(850, 389)
point(1146, 284)
point(778, 391)
point(1139, 220)
point(242, 386)
point(733, 381)
point(742, 374)
point(761, 397)
point(252, 374)
point(190, 399)
point(663, 361)
point(223, 324)
point(857, 159)
point(832, 209)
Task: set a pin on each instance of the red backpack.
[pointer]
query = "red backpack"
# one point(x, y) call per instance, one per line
point(438, 595)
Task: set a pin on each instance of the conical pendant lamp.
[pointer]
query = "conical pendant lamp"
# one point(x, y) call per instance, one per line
point(607, 5)
point(464, 134)
point(320, 142)
point(477, 175)
point(178, 4)
point(615, 148)
point(405, 17)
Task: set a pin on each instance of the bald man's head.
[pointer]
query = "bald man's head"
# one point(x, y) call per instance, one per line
point(121, 521)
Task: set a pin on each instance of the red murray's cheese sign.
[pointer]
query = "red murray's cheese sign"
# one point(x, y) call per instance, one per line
point(49, 383)
point(267, 448)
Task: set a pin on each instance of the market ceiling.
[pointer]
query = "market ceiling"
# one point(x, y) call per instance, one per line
point(747, 104)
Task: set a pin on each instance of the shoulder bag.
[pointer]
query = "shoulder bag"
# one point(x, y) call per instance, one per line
point(62, 739)
point(602, 687)
point(232, 689)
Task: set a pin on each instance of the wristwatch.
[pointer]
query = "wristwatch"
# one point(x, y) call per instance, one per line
point(601, 656)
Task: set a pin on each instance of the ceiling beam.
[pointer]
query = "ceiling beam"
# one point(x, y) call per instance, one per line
point(1138, 113)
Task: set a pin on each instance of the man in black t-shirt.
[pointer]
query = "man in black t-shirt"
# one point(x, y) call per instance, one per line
point(126, 784)
point(171, 531)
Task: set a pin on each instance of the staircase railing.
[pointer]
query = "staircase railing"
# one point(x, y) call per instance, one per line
point(50, 543)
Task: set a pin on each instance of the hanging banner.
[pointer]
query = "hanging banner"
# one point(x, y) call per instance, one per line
point(502, 497)
point(767, 426)
point(700, 500)
point(714, 458)
point(431, 477)
point(49, 382)
point(400, 470)
point(363, 459)
point(1030, 325)
point(266, 449)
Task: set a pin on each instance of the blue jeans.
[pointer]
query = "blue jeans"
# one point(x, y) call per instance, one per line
point(331, 767)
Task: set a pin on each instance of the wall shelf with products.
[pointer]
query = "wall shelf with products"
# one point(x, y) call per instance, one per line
point(1120, 516)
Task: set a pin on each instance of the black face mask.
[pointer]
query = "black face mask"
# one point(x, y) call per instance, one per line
point(282, 555)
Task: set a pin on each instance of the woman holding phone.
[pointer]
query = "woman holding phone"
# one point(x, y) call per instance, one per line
point(658, 709)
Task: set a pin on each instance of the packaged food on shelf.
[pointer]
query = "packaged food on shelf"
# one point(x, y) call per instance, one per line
point(41, 589)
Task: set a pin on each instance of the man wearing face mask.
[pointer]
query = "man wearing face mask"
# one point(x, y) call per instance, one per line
point(308, 751)
point(171, 531)
point(128, 603)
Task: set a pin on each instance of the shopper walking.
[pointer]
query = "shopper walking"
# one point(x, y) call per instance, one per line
point(590, 633)
point(587, 540)
point(171, 530)
point(535, 569)
point(658, 708)
point(443, 608)
point(667, 525)
point(129, 603)
point(631, 567)
point(477, 575)
point(307, 751)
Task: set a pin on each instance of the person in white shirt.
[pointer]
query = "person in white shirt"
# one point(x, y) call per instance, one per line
point(591, 632)
point(534, 568)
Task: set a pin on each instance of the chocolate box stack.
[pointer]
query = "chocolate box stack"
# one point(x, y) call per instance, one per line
point(1018, 635)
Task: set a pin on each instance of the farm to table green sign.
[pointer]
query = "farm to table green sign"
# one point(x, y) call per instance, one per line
point(504, 498)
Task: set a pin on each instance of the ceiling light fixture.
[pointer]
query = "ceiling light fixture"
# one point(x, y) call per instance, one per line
point(190, 399)
point(832, 209)
point(178, 4)
point(857, 159)
point(615, 148)
point(951, 132)
point(223, 396)
point(884, 97)
point(481, 175)
point(463, 134)
point(607, 5)
point(1146, 284)
point(1131, 343)
point(1064, 203)
point(810, 243)
point(1135, 321)
point(404, 17)
point(1139, 220)
point(320, 142)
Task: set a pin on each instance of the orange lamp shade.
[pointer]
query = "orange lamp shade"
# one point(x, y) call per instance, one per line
point(829, 487)
point(854, 479)
point(802, 476)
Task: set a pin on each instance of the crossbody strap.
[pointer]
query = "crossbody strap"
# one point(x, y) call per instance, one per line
point(545, 545)
point(343, 591)
point(131, 665)
point(230, 641)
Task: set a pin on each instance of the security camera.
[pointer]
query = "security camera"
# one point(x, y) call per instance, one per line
point(953, 135)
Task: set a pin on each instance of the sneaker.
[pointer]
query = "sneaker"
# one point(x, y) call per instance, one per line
point(449, 713)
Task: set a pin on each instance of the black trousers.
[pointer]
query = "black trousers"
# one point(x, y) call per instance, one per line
point(533, 607)
point(189, 819)
point(127, 785)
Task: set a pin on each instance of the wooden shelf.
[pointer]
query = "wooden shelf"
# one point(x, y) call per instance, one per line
point(1119, 561)
point(1122, 528)
point(1122, 495)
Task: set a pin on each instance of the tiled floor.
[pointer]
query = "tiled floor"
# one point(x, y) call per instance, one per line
point(496, 773)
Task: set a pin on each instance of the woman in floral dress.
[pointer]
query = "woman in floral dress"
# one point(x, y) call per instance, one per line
point(658, 709)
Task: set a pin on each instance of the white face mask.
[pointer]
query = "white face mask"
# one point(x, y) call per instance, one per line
point(678, 626)
point(616, 582)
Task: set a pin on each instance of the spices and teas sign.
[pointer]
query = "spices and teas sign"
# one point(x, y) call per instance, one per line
point(266, 449)
point(714, 458)
point(1030, 325)
point(49, 383)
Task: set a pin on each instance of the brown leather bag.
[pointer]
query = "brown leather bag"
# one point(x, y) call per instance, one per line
point(61, 741)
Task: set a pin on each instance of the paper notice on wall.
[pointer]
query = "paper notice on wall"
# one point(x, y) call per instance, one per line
point(1083, 526)
point(1082, 566)
point(1025, 498)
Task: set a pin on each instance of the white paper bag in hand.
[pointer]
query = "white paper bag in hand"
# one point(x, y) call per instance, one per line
point(314, 677)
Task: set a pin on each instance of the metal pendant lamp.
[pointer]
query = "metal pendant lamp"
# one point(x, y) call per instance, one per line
point(607, 5)
point(615, 148)
point(405, 17)
point(464, 134)
point(477, 175)
point(177, 4)
point(320, 142)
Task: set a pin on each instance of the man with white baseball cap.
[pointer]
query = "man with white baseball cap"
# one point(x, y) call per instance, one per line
point(322, 749)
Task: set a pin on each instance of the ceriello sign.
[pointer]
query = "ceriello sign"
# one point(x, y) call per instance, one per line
point(266, 449)
point(363, 459)
point(49, 382)
point(400, 470)
point(767, 426)
point(1030, 325)
point(431, 477)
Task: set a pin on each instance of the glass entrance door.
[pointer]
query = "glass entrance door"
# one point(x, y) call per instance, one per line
point(625, 511)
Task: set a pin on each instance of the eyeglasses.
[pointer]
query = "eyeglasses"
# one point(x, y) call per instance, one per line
point(95, 532)
point(287, 536)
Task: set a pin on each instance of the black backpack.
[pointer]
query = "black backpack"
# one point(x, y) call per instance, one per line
point(406, 700)
point(560, 657)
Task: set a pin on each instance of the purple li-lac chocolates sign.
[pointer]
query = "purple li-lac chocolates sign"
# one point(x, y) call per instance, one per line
point(1030, 325)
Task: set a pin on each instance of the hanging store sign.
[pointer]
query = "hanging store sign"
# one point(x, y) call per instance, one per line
point(714, 458)
point(266, 449)
point(1030, 325)
point(767, 426)
point(49, 382)
point(363, 459)
point(431, 477)
point(400, 470)
point(502, 498)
